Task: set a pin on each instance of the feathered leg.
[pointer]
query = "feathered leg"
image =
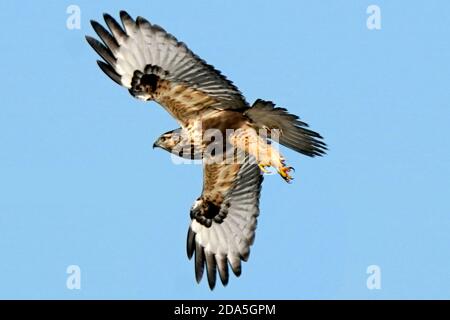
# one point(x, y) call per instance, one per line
point(248, 140)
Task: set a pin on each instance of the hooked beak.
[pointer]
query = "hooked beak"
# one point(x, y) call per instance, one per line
point(155, 145)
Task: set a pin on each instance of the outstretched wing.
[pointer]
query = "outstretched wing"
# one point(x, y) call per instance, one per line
point(224, 219)
point(154, 65)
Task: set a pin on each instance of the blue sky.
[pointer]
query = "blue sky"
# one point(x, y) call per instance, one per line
point(81, 185)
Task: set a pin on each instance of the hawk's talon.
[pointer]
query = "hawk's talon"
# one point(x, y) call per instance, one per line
point(263, 167)
point(284, 173)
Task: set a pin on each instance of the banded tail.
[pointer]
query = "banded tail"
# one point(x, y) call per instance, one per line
point(294, 133)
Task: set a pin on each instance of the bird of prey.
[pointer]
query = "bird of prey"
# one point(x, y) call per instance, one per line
point(154, 66)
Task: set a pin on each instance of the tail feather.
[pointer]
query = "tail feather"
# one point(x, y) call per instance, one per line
point(294, 133)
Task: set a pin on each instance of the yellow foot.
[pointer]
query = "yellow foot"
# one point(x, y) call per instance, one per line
point(263, 166)
point(284, 173)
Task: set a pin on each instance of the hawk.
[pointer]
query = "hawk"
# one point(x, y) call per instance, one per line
point(154, 66)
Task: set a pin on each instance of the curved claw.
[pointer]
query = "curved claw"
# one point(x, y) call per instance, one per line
point(284, 173)
point(263, 168)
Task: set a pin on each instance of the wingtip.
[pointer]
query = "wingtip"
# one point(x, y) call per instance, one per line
point(222, 267)
point(224, 279)
point(107, 16)
point(142, 21)
point(199, 264)
point(237, 269)
point(211, 268)
point(91, 41)
point(110, 72)
point(211, 282)
point(211, 286)
point(97, 26)
point(190, 243)
point(124, 15)
point(89, 38)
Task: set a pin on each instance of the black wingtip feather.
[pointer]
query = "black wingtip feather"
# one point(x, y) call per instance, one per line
point(126, 18)
point(96, 26)
point(114, 27)
point(211, 268)
point(190, 245)
point(199, 262)
point(237, 271)
point(222, 267)
point(106, 68)
point(101, 50)
point(141, 21)
point(106, 37)
point(107, 17)
point(124, 14)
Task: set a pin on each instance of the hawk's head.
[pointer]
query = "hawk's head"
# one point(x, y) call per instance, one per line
point(168, 141)
point(178, 143)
